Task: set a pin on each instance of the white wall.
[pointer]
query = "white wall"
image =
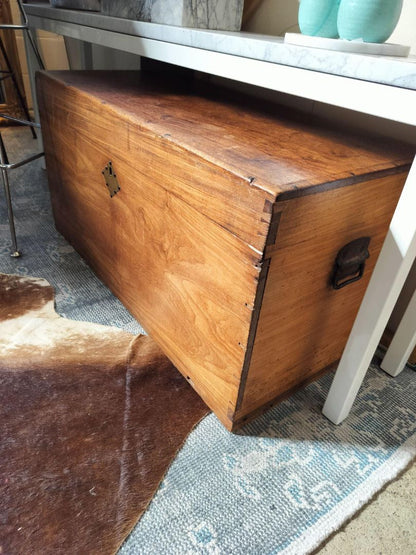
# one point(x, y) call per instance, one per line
point(275, 17)
point(405, 32)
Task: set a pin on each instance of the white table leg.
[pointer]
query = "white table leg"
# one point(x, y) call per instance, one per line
point(79, 53)
point(390, 272)
point(403, 342)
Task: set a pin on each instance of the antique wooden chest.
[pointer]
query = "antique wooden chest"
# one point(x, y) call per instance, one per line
point(224, 228)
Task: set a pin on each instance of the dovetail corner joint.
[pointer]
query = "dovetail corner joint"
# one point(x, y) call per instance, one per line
point(111, 179)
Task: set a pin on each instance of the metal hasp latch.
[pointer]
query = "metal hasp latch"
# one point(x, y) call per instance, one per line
point(350, 262)
point(111, 179)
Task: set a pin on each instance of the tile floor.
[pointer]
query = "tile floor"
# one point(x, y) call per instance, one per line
point(386, 526)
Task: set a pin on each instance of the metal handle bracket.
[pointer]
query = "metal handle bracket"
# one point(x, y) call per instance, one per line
point(350, 263)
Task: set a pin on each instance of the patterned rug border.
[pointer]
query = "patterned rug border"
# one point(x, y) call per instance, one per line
point(387, 473)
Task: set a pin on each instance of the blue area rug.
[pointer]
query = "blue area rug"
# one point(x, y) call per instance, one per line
point(282, 485)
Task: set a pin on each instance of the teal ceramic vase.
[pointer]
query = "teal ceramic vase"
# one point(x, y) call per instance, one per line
point(369, 20)
point(319, 18)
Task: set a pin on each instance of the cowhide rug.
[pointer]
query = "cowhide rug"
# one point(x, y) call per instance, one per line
point(90, 419)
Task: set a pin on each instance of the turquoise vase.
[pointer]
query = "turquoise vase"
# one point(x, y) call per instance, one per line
point(369, 20)
point(319, 18)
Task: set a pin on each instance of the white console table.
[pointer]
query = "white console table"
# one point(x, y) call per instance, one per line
point(380, 86)
point(376, 85)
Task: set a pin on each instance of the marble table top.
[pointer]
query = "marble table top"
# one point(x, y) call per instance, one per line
point(399, 72)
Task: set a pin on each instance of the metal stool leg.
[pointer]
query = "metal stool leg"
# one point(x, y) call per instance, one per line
point(28, 32)
point(5, 166)
point(4, 159)
point(15, 252)
point(5, 177)
point(21, 98)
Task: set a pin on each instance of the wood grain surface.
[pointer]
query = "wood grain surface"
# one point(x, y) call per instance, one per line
point(304, 323)
point(188, 282)
point(224, 232)
point(271, 148)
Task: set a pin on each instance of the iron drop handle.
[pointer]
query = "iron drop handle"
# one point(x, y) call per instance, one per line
point(350, 262)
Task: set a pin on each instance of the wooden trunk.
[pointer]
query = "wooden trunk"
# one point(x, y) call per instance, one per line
point(223, 236)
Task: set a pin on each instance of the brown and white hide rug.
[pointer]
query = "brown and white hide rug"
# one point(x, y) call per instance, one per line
point(90, 419)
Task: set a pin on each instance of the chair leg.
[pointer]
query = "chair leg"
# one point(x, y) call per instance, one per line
point(403, 342)
point(389, 275)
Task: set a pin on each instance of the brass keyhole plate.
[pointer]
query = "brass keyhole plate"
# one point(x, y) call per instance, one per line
point(111, 179)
